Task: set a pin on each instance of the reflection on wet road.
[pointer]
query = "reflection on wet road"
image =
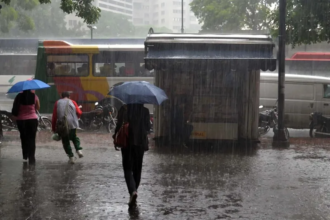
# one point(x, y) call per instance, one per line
point(271, 184)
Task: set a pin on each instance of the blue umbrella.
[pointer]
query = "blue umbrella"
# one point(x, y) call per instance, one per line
point(138, 92)
point(28, 85)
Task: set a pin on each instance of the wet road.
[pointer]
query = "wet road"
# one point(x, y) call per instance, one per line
point(270, 184)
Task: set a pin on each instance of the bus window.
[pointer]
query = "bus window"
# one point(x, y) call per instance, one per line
point(128, 70)
point(128, 62)
point(102, 65)
point(120, 63)
point(67, 65)
point(144, 72)
point(326, 91)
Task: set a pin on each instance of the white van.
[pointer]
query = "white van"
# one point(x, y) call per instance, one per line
point(303, 95)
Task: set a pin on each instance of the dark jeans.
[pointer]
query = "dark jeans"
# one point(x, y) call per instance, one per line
point(132, 164)
point(1, 133)
point(28, 131)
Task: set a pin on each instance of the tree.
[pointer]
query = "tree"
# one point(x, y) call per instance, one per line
point(53, 26)
point(17, 11)
point(113, 25)
point(232, 15)
point(306, 21)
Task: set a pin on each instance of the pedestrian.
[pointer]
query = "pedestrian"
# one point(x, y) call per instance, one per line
point(138, 118)
point(24, 110)
point(69, 107)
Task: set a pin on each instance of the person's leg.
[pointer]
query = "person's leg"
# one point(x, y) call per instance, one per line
point(1, 132)
point(23, 136)
point(66, 146)
point(75, 139)
point(127, 166)
point(76, 142)
point(31, 127)
point(137, 165)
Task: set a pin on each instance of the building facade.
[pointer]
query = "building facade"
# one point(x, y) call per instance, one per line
point(165, 13)
point(123, 7)
point(153, 13)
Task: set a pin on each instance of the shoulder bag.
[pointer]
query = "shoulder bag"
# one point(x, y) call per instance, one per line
point(121, 138)
point(62, 127)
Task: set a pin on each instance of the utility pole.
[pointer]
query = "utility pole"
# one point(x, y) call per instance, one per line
point(182, 30)
point(280, 138)
point(92, 27)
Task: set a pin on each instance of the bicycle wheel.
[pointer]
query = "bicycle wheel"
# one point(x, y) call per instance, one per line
point(45, 124)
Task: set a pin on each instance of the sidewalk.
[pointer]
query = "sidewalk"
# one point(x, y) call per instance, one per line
point(272, 184)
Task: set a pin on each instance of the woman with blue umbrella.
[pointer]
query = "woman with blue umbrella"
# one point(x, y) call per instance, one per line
point(134, 94)
point(24, 110)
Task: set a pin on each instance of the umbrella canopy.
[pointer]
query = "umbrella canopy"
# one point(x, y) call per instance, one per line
point(138, 92)
point(14, 94)
point(28, 85)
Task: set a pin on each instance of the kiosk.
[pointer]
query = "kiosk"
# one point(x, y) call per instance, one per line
point(213, 80)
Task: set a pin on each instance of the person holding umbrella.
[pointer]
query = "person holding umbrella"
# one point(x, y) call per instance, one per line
point(135, 94)
point(24, 110)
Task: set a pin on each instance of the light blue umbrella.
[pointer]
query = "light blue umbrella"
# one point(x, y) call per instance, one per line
point(28, 85)
point(138, 92)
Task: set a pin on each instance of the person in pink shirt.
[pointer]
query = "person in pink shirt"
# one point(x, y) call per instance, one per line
point(24, 111)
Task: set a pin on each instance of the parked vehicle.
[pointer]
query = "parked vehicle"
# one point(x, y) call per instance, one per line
point(44, 123)
point(319, 125)
point(96, 119)
point(268, 119)
point(7, 123)
point(303, 94)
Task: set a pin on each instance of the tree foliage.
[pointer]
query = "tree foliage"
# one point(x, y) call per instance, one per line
point(307, 21)
point(17, 11)
point(232, 15)
point(48, 21)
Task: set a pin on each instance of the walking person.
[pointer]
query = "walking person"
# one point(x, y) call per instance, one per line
point(24, 111)
point(138, 118)
point(68, 107)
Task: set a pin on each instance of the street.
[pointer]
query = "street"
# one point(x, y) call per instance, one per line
point(176, 184)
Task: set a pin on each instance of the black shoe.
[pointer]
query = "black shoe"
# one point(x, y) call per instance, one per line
point(32, 161)
point(132, 200)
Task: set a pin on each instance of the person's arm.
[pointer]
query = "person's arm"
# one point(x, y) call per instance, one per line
point(37, 104)
point(147, 120)
point(54, 117)
point(78, 111)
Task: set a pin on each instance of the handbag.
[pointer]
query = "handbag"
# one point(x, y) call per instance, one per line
point(62, 127)
point(121, 138)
